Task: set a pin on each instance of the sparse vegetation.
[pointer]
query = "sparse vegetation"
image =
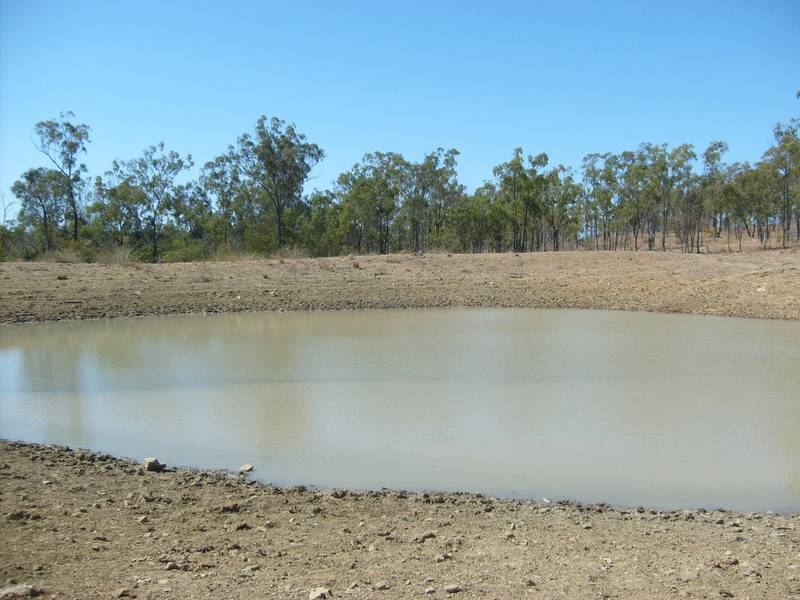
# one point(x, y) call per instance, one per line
point(249, 202)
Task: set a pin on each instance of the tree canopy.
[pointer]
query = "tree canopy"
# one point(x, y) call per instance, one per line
point(253, 197)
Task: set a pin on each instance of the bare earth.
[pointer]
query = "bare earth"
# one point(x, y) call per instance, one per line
point(74, 524)
point(762, 284)
point(83, 525)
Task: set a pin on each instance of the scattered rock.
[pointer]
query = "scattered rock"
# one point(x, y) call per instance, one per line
point(430, 590)
point(319, 594)
point(153, 465)
point(124, 593)
point(428, 535)
point(246, 468)
point(380, 586)
point(20, 591)
point(452, 589)
point(19, 515)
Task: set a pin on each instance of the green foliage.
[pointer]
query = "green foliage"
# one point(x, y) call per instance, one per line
point(248, 201)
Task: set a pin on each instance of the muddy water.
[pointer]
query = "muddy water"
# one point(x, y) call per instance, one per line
point(627, 408)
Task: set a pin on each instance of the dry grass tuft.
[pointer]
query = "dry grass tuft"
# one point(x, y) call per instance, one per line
point(60, 256)
point(118, 255)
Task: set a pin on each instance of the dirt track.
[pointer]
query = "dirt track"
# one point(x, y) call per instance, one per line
point(82, 525)
point(757, 284)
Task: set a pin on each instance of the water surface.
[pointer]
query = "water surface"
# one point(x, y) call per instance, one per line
point(627, 408)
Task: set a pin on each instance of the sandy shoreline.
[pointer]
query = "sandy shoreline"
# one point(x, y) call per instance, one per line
point(756, 284)
point(78, 524)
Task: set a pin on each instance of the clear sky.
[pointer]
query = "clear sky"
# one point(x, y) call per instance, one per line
point(566, 78)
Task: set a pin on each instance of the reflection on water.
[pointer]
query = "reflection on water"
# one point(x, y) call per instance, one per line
point(628, 408)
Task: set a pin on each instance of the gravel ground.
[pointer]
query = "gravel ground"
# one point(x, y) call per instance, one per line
point(77, 524)
point(762, 284)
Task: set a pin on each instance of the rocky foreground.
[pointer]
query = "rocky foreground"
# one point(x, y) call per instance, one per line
point(77, 524)
point(764, 284)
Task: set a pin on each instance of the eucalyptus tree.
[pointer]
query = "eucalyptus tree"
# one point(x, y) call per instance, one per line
point(760, 189)
point(784, 157)
point(279, 160)
point(41, 195)
point(560, 198)
point(600, 177)
point(62, 142)
point(320, 227)
point(429, 189)
point(114, 216)
point(631, 185)
point(733, 202)
point(520, 187)
point(370, 194)
point(151, 181)
point(221, 182)
point(686, 199)
point(712, 183)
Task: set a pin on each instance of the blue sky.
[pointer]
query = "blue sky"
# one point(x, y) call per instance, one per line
point(566, 78)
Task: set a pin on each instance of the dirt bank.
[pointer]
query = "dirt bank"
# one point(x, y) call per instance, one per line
point(81, 525)
point(754, 284)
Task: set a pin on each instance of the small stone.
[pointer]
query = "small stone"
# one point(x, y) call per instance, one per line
point(20, 591)
point(152, 464)
point(142, 519)
point(249, 570)
point(428, 535)
point(246, 468)
point(587, 526)
point(172, 566)
point(452, 589)
point(319, 594)
point(381, 585)
point(430, 590)
point(123, 593)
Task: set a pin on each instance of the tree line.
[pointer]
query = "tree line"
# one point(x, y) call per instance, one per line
point(251, 199)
